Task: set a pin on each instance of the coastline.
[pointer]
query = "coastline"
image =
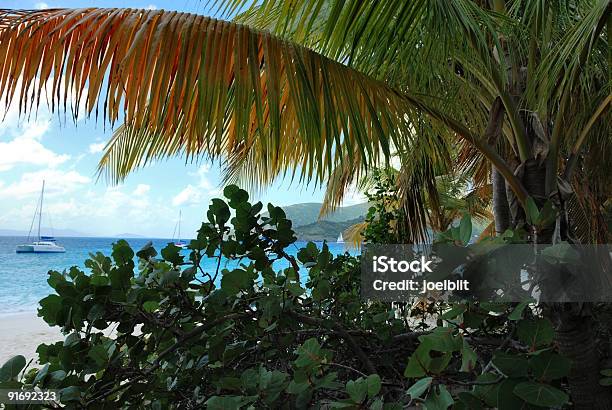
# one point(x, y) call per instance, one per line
point(22, 332)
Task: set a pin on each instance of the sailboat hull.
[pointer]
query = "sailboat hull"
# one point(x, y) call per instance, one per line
point(40, 248)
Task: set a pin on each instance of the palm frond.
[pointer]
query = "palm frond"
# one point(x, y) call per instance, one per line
point(192, 85)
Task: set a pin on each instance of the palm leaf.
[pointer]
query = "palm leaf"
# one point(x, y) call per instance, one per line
point(190, 85)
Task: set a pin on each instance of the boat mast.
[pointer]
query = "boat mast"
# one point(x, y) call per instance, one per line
point(42, 194)
point(179, 224)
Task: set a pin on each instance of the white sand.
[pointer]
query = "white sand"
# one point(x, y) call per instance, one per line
point(21, 333)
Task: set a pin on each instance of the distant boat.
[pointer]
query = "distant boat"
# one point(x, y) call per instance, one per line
point(44, 244)
point(179, 243)
point(340, 238)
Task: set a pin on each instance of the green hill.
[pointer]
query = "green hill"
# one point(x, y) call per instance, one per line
point(308, 213)
point(323, 230)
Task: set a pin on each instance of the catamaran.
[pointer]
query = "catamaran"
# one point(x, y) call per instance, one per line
point(179, 243)
point(340, 238)
point(44, 244)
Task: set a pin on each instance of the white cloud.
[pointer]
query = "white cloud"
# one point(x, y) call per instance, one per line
point(27, 149)
point(142, 189)
point(151, 7)
point(41, 5)
point(57, 183)
point(190, 195)
point(202, 175)
point(96, 147)
point(21, 138)
point(198, 192)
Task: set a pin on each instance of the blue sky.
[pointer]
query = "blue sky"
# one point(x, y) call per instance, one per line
point(66, 155)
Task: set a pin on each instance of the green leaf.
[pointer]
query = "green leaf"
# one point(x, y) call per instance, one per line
point(99, 355)
point(550, 366)
point(606, 372)
point(438, 399)
point(172, 254)
point(468, 358)
point(72, 339)
point(98, 280)
point(511, 365)
point(442, 340)
point(224, 403)
point(236, 280)
point(96, 312)
point(532, 211)
point(309, 353)
point(70, 393)
point(453, 312)
point(41, 374)
point(421, 362)
point(122, 253)
point(541, 394)
point(357, 390)
point(150, 306)
point(169, 277)
point(606, 381)
point(517, 313)
point(50, 307)
point(547, 216)
point(296, 388)
point(560, 253)
point(295, 289)
point(471, 401)
point(374, 384)
point(506, 399)
point(11, 368)
point(417, 389)
point(487, 392)
point(465, 229)
point(535, 332)
point(236, 195)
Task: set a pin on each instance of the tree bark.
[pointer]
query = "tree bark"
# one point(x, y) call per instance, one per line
point(576, 336)
point(501, 209)
point(575, 328)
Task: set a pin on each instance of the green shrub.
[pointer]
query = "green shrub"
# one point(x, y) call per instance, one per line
point(168, 333)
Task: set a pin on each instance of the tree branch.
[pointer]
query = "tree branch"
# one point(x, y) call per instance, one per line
point(365, 360)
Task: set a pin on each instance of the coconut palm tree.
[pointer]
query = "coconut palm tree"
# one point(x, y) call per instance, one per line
point(328, 89)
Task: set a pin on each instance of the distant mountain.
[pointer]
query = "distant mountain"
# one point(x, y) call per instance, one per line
point(324, 230)
point(308, 213)
point(46, 231)
point(128, 236)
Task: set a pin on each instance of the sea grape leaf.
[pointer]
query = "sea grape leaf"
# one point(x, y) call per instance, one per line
point(550, 366)
point(418, 388)
point(535, 332)
point(374, 384)
point(541, 394)
point(487, 392)
point(357, 390)
point(11, 368)
point(511, 365)
point(468, 358)
point(438, 399)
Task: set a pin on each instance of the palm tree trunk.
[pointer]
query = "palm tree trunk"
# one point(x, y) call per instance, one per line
point(576, 337)
point(575, 327)
point(501, 209)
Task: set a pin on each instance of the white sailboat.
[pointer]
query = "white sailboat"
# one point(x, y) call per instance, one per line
point(340, 238)
point(44, 244)
point(179, 243)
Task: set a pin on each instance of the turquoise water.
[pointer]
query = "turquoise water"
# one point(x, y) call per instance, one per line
point(23, 277)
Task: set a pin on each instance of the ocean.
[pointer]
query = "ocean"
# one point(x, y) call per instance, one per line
point(23, 276)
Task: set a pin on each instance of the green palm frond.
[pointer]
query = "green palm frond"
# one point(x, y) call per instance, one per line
point(222, 90)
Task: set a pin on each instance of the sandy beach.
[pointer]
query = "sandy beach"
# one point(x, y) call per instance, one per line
point(21, 333)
